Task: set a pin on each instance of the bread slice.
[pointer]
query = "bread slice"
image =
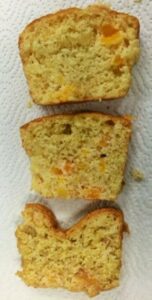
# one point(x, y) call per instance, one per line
point(79, 55)
point(79, 155)
point(86, 257)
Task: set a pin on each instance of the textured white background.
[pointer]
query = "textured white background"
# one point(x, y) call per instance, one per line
point(136, 198)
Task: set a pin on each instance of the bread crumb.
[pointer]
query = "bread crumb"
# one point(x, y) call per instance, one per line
point(100, 2)
point(29, 103)
point(137, 175)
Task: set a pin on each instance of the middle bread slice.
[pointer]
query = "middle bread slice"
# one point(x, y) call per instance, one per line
point(77, 156)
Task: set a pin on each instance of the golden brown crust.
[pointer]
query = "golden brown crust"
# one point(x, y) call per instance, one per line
point(126, 119)
point(64, 12)
point(45, 211)
point(134, 20)
point(48, 215)
point(53, 222)
point(93, 214)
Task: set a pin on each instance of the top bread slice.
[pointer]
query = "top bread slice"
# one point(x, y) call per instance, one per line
point(86, 257)
point(79, 55)
point(80, 155)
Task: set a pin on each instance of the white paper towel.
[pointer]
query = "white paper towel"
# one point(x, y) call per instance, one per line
point(135, 200)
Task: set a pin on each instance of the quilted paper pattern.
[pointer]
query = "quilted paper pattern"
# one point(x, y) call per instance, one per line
point(136, 198)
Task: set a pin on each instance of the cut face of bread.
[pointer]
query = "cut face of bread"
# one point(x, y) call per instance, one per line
point(79, 156)
point(79, 55)
point(86, 257)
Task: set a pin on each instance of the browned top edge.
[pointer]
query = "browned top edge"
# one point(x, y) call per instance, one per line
point(53, 222)
point(62, 12)
point(44, 210)
point(65, 12)
point(126, 119)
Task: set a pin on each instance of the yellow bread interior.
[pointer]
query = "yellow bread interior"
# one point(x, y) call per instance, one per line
point(77, 155)
point(86, 257)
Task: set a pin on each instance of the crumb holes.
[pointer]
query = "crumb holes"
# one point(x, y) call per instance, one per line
point(123, 183)
point(50, 24)
point(40, 179)
point(73, 240)
point(89, 243)
point(67, 129)
point(117, 72)
point(30, 230)
point(102, 155)
point(110, 122)
point(95, 29)
point(46, 85)
point(126, 41)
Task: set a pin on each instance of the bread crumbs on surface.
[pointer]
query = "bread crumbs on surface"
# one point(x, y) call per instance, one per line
point(137, 175)
point(100, 2)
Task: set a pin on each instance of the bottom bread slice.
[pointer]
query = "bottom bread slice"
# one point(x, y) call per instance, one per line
point(86, 257)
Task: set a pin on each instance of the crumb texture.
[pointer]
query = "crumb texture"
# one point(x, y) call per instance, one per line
point(79, 54)
point(77, 156)
point(86, 257)
point(137, 175)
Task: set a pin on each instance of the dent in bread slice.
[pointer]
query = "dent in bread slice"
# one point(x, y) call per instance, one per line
point(79, 155)
point(86, 257)
point(79, 55)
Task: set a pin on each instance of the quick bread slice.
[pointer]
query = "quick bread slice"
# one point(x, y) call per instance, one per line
point(80, 155)
point(86, 257)
point(79, 55)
